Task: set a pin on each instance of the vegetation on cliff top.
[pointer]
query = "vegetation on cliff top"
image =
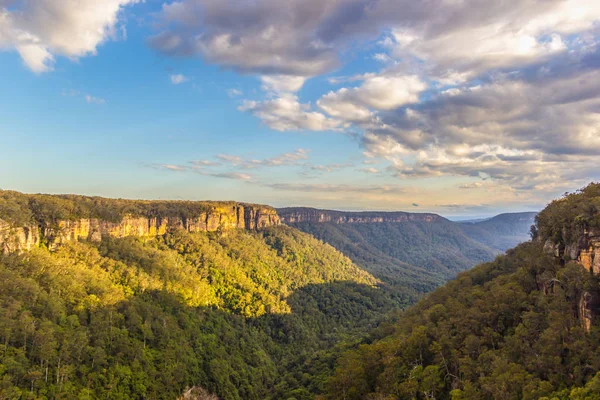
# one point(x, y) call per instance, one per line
point(566, 218)
point(509, 329)
point(23, 209)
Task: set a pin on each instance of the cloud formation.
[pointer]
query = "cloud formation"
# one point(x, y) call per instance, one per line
point(234, 92)
point(338, 188)
point(40, 30)
point(94, 100)
point(264, 37)
point(492, 91)
point(286, 113)
point(502, 94)
point(236, 167)
point(178, 79)
point(292, 158)
point(379, 92)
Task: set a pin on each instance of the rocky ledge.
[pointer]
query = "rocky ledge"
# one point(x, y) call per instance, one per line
point(585, 250)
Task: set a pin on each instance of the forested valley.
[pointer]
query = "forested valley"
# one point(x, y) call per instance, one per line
point(521, 327)
point(246, 315)
point(275, 313)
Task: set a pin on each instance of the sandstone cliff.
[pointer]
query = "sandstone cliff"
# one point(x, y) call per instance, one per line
point(296, 215)
point(585, 249)
point(218, 217)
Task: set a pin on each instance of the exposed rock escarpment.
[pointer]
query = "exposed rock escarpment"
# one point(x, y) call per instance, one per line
point(569, 229)
point(220, 217)
point(585, 249)
point(296, 215)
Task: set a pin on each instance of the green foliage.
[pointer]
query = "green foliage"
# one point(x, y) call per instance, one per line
point(564, 220)
point(245, 315)
point(509, 329)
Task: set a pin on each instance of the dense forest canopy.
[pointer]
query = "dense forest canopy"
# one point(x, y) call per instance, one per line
point(565, 219)
point(243, 314)
point(418, 254)
point(510, 329)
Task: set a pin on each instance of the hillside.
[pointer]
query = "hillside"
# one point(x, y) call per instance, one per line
point(244, 313)
point(418, 250)
point(522, 327)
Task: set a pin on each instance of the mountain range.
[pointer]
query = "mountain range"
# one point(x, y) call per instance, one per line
point(416, 251)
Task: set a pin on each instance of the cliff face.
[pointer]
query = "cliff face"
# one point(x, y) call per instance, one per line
point(299, 214)
point(18, 238)
point(585, 250)
point(24, 238)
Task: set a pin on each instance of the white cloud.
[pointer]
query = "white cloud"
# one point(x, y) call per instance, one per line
point(231, 175)
point(233, 160)
point(328, 167)
point(338, 188)
point(94, 100)
point(382, 57)
point(178, 79)
point(377, 92)
point(370, 170)
point(234, 92)
point(291, 158)
point(170, 167)
point(42, 29)
point(204, 163)
point(286, 113)
point(36, 57)
point(282, 83)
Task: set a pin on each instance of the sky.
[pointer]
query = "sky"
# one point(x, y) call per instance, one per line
point(459, 107)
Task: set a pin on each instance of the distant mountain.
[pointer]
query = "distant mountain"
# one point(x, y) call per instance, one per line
point(412, 249)
point(503, 231)
point(419, 250)
point(469, 220)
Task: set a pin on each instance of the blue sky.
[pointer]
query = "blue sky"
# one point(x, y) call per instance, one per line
point(471, 110)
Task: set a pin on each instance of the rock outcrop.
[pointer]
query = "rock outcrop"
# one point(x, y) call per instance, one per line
point(296, 215)
point(585, 310)
point(585, 250)
point(24, 238)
